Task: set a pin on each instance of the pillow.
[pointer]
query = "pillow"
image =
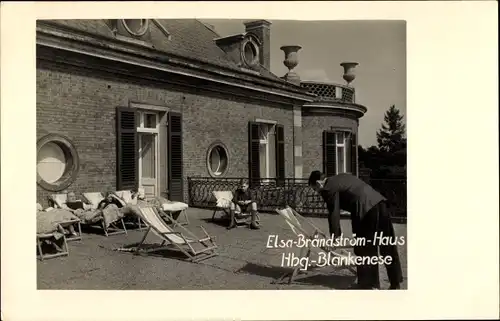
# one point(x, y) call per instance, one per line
point(39, 207)
point(126, 196)
point(59, 199)
point(174, 206)
point(223, 203)
point(94, 199)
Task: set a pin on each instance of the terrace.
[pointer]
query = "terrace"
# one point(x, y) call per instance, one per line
point(243, 263)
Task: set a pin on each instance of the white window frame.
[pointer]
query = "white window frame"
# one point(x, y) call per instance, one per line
point(271, 128)
point(156, 134)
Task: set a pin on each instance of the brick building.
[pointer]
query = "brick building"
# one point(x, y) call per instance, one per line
point(123, 103)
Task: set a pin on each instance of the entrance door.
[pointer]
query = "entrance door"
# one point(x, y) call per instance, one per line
point(148, 153)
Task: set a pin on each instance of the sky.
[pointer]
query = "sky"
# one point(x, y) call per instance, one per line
point(378, 46)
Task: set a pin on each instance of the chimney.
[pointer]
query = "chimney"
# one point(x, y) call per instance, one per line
point(261, 29)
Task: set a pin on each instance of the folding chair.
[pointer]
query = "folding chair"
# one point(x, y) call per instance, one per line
point(194, 248)
point(305, 228)
point(59, 201)
point(94, 198)
point(64, 251)
point(125, 198)
point(224, 200)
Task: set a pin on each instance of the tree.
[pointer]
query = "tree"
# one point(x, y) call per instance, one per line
point(391, 138)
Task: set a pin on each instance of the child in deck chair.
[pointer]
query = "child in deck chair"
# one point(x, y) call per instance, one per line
point(242, 203)
point(368, 216)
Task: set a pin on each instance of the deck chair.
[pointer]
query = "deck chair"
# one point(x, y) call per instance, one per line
point(125, 198)
point(194, 248)
point(64, 251)
point(224, 200)
point(59, 201)
point(302, 226)
point(94, 198)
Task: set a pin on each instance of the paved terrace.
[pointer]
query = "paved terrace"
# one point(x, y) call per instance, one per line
point(243, 262)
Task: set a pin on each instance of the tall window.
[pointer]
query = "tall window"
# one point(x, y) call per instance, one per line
point(267, 150)
point(339, 152)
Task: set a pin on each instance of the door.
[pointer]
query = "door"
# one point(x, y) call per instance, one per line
point(148, 154)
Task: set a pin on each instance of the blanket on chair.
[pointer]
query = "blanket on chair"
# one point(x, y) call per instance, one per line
point(46, 222)
point(109, 215)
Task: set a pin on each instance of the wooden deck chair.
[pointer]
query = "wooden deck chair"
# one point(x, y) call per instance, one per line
point(94, 198)
point(59, 201)
point(302, 226)
point(224, 200)
point(64, 251)
point(194, 248)
point(125, 198)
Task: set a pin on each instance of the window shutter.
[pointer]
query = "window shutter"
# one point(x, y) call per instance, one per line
point(127, 173)
point(329, 153)
point(354, 154)
point(253, 154)
point(280, 155)
point(175, 162)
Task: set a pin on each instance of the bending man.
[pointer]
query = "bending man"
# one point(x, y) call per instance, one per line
point(368, 216)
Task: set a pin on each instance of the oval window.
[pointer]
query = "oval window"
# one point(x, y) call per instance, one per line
point(136, 27)
point(250, 53)
point(217, 160)
point(57, 162)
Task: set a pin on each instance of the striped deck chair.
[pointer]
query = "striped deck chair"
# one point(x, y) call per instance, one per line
point(302, 226)
point(184, 241)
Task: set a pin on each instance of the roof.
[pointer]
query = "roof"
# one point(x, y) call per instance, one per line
point(189, 38)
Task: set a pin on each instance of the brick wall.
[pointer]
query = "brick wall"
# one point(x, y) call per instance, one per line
point(312, 138)
point(81, 105)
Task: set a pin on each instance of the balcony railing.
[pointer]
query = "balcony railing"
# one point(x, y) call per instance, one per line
point(329, 92)
point(270, 194)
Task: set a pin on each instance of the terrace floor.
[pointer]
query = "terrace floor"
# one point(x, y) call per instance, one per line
point(243, 262)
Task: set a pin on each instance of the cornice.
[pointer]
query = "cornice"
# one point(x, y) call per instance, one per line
point(112, 50)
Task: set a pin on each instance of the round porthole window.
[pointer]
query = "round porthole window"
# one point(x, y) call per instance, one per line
point(136, 27)
point(57, 162)
point(217, 160)
point(250, 52)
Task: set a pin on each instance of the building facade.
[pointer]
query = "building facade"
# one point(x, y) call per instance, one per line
point(148, 102)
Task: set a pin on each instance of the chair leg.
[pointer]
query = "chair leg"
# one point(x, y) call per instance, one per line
point(123, 224)
point(186, 217)
point(142, 240)
point(105, 228)
point(39, 245)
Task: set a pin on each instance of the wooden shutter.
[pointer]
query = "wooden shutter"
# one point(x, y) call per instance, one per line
point(280, 155)
point(253, 154)
point(354, 154)
point(329, 153)
point(175, 163)
point(127, 173)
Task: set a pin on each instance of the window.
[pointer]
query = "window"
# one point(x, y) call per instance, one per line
point(217, 160)
point(57, 162)
point(250, 52)
point(339, 152)
point(136, 27)
point(266, 152)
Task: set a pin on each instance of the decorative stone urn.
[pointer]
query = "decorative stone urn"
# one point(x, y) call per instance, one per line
point(349, 75)
point(291, 61)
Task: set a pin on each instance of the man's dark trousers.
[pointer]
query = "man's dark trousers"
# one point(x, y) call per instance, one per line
point(376, 220)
